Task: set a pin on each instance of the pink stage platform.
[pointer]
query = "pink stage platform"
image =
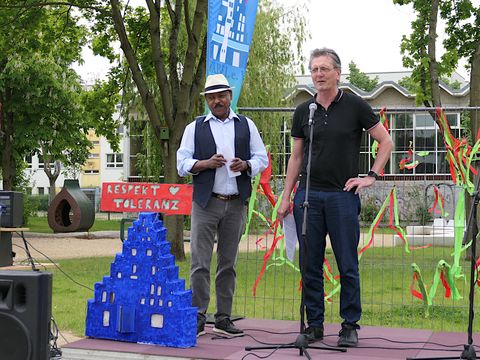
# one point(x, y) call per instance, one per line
point(374, 343)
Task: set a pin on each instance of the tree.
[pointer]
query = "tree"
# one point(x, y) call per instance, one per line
point(463, 41)
point(42, 103)
point(413, 87)
point(71, 147)
point(272, 67)
point(274, 58)
point(419, 51)
point(360, 79)
point(165, 43)
point(30, 81)
point(463, 29)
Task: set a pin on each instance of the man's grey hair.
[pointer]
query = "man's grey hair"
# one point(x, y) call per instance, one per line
point(325, 52)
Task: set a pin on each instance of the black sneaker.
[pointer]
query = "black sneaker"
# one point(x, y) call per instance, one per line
point(348, 336)
point(313, 333)
point(226, 327)
point(201, 325)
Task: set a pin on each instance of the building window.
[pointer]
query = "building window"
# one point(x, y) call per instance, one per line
point(41, 191)
point(28, 160)
point(90, 171)
point(41, 163)
point(114, 160)
point(417, 132)
point(93, 156)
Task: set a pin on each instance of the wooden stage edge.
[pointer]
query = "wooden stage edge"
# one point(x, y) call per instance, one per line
point(374, 343)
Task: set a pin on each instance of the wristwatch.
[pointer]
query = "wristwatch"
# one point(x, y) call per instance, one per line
point(373, 174)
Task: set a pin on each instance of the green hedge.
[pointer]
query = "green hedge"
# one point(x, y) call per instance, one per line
point(41, 201)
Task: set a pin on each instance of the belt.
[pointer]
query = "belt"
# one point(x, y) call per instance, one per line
point(226, 197)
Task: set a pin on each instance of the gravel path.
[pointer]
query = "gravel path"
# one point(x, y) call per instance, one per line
point(66, 246)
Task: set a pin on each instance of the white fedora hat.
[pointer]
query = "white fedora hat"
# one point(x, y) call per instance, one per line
point(216, 83)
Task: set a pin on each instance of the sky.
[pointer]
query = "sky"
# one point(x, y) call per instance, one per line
point(367, 32)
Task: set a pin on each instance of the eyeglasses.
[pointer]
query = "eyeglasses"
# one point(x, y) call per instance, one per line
point(321, 70)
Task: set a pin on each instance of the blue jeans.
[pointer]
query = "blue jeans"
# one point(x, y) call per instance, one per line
point(335, 214)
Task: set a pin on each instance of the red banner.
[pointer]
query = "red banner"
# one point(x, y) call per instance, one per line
point(169, 199)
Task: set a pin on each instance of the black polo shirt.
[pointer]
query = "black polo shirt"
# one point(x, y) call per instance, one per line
point(337, 134)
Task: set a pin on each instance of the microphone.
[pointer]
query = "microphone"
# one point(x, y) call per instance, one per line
point(312, 108)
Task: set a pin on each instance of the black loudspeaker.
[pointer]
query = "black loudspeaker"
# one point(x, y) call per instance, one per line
point(25, 312)
point(6, 256)
point(11, 208)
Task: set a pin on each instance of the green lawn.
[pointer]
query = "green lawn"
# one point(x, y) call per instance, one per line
point(40, 225)
point(385, 277)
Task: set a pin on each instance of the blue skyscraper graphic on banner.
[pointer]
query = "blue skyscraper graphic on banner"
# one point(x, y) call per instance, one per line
point(230, 30)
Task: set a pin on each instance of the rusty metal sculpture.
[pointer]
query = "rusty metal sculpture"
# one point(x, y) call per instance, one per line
point(71, 210)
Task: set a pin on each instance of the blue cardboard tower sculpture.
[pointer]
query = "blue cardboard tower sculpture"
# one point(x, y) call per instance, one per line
point(143, 300)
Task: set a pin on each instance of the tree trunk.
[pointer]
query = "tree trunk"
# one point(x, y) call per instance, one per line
point(475, 83)
point(433, 68)
point(52, 176)
point(173, 223)
point(177, 97)
point(8, 160)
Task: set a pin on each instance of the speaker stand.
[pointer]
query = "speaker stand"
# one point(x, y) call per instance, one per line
point(301, 343)
point(27, 250)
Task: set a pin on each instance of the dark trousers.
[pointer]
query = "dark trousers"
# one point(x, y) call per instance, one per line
point(335, 214)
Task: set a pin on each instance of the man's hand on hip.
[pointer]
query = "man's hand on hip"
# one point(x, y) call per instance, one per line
point(359, 183)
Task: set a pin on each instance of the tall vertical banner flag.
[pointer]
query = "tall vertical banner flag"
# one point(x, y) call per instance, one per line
point(230, 30)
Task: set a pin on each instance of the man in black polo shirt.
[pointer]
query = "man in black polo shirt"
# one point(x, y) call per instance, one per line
point(334, 204)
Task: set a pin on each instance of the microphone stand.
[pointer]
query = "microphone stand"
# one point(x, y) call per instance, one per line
point(301, 343)
point(468, 349)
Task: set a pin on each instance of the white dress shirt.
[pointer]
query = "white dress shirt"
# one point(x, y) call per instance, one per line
point(224, 136)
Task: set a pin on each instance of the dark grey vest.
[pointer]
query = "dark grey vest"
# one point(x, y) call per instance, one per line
point(205, 148)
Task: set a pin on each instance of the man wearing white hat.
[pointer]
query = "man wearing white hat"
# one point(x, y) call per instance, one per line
point(222, 151)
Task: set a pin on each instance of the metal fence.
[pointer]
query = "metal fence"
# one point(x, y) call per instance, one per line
point(388, 283)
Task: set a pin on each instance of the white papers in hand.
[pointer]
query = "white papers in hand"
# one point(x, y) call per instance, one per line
point(290, 232)
point(229, 156)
